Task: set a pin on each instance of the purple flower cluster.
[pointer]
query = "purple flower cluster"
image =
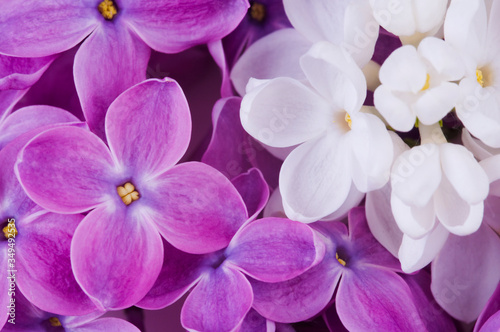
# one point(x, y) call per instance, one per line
point(119, 197)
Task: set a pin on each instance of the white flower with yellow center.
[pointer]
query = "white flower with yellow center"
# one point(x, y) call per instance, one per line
point(418, 83)
point(343, 151)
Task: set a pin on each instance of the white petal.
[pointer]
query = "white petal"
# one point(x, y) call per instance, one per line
point(458, 216)
point(464, 173)
point(395, 16)
point(479, 149)
point(413, 221)
point(317, 20)
point(353, 199)
point(371, 152)
point(429, 14)
point(403, 70)
point(394, 110)
point(435, 103)
point(416, 174)
point(274, 55)
point(315, 178)
point(335, 75)
point(442, 57)
point(381, 220)
point(491, 167)
point(284, 112)
point(415, 254)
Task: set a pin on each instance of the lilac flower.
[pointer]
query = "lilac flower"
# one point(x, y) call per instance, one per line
point(489, 320)
point(135, 192)
point(370, 293)
point(269, 250)
point(232, 151)
point(120, 34)
point(39, 254)
point(17, 75)
point(29, 318)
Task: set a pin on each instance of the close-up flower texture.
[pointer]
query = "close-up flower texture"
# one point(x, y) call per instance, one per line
point(253, 166)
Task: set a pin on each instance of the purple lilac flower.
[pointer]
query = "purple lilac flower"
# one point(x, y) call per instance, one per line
point(40, 238)
point(370, 294)
point(118, 37)
point(134, 191)
point(29, 318)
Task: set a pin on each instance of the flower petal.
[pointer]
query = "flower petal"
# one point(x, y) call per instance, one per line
point(466, 273)
point(254, 190)
point(46, 239)
point(195, 207)
point(253, 322)
point(29, 118)
point(111, 51)
point(41, 28)
point(21, 73)
point(488, 315)
point(116, 282)
point(284, 112)
point(315, 178)
point(375, 299)
point(106, 324)
point(275, 55)
point(415, 221)
point(149, 127)
point(394, 110)
point(219, 302)
point(66, 170)
point(299, 298)
point(275, 249)
point(180, 271)
point(171, 27)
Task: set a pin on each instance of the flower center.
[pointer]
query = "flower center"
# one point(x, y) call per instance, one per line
point(10, 230)
point(54, 321)
point(348, 119)
point(258, 11)
point(127, 193)
point(427, 83)
point(341, 261)
point(479, 77)
point(108, 9)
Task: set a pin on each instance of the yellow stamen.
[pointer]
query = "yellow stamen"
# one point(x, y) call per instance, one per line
point(107, 9)
point(10, 231)
point(427, 83)
point(258, 12)
point(479, 77)
point(341, 261)
point(347, 119)
point(54, 321)
point(127, 193)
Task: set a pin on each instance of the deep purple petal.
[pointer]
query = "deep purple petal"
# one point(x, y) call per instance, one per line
point(21, 73)
point(148, 127)
point(466, 273)
point(231, 150)
point(195, 207)
point(180, 271)
point(433, 316)
point(4, 283)
point(40, 28)
point(110, 60)
point(217, 51)
point(44, 265)
point(27, 317)
point(375, 300)
point(254, 322)
point(218, 303)
point(275, 249)
point(366, 247)
point(300, 298)
point(254, 191)
point(105, 325)
point(492, 324)
point(492, 307)
point(8, 99)
point(171, 27)
point(66, 170)
point(29, 118)
point(116, 255)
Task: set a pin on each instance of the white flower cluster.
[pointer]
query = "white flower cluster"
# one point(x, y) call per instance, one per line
point(304, 92)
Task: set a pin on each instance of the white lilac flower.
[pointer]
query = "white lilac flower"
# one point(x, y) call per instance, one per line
point(411, 20)
point(418, 83)
point(473, 28)
point(342, 148)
